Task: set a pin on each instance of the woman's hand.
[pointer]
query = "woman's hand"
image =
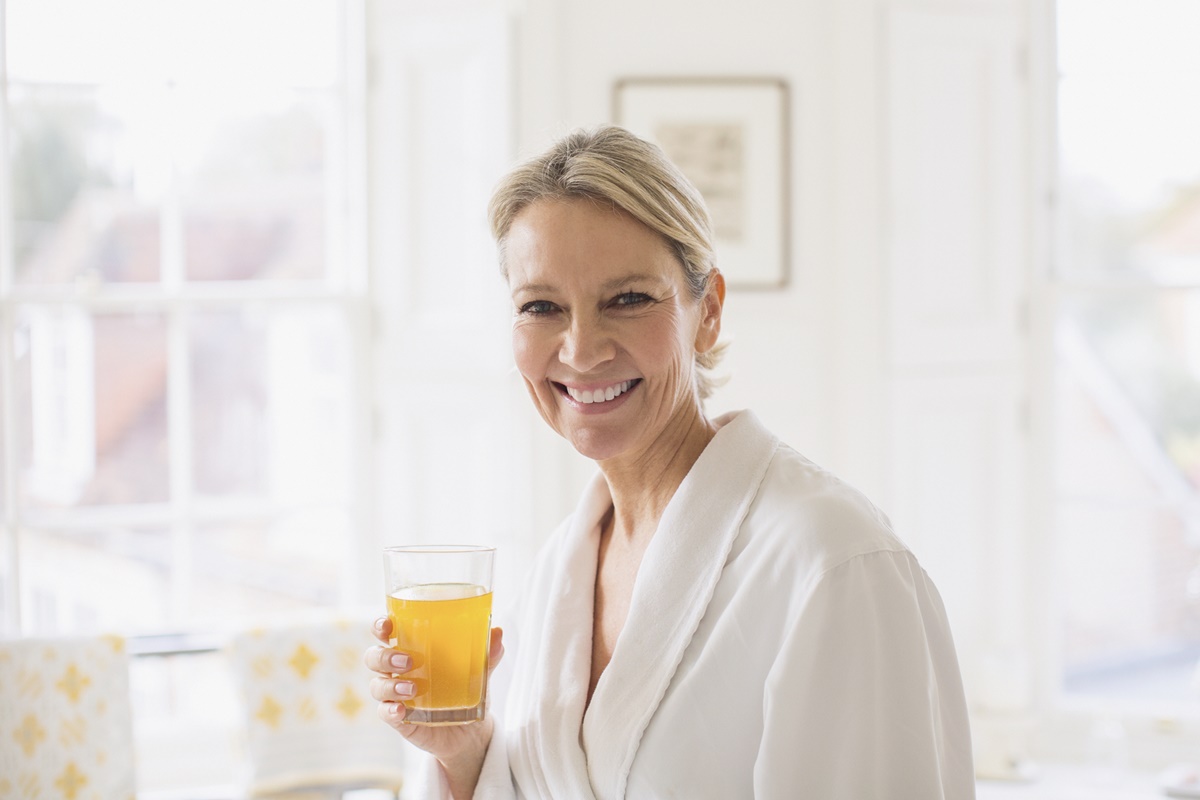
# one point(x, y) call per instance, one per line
point(460, 749)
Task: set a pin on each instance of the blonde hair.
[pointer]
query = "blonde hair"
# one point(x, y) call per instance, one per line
point(610, 165)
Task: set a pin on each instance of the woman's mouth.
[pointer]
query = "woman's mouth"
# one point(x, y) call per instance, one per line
point(604, 394)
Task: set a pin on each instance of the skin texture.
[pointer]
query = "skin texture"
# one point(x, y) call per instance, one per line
point(599, 302)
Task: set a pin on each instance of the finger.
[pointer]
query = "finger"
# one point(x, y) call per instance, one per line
point(386, 660)
point(495, 647)
point(383, 629)
point(390, 690)
point(393, 714)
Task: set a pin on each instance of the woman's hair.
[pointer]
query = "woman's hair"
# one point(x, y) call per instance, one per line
point(610, 165)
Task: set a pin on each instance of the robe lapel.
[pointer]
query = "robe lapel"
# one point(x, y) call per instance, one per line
point(675, 583)
point(558, 767)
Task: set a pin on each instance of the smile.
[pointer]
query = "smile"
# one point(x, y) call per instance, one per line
point(602, 395)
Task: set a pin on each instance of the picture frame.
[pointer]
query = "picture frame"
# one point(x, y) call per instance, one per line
point(729, 136)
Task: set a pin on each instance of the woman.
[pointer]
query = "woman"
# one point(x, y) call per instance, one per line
point(719, 617)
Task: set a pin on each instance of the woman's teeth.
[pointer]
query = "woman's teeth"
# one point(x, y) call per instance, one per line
point(599, 395)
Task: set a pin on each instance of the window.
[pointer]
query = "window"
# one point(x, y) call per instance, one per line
point(182, 291)
point(1126, 293)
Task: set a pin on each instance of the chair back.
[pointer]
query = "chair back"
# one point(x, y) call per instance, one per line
point(66, 727)
point(308, 718)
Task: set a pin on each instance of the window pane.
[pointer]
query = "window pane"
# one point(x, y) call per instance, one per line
point(84, 41)
point(252, 568)
point(1130, 165)
point(103, 579)
point(1131, 586)
point(253, 182)
point(1128, 480)
point(4, 445)
point(92, 407)
point(1127, 348)
point(6, 576)
point(271, 404)
point(260, 42)
point(105, 41)
point(1135, 358)
point(135, 580)
point(6, 565)
point(83, 205)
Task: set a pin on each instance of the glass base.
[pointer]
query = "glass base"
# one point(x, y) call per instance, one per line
point(443, 716)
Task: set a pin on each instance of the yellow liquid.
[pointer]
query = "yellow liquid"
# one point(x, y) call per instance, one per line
point(445, 628)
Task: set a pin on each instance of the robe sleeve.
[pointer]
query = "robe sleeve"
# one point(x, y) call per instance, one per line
point(865, 699)
point(495, 779)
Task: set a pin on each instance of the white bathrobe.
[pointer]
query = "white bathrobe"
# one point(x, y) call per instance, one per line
point(781, 643)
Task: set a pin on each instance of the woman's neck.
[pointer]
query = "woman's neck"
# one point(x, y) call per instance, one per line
point(643, 484)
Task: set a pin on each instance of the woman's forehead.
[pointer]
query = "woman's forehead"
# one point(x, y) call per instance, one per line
point(578, 236)
point(576, 214)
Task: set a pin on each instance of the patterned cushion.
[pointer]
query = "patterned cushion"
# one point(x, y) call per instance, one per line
point(309, 719)
point(65, 725)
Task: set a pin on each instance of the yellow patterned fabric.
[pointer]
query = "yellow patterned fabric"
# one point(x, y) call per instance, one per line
point(65, 726)
point(309, 721)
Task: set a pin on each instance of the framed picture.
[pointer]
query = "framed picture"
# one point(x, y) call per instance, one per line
point(729, 136)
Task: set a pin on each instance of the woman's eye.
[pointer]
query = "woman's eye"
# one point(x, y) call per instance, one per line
point(631, 299)
point(537, 307)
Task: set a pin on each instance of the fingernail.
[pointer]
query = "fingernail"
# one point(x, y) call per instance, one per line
point(379, 623)
point(400, 661)
point(393, 709)
point(404, 688)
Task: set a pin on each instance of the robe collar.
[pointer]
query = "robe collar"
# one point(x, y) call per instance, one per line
point(676, 581)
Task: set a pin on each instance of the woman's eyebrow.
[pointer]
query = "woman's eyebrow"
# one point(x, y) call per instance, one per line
point(610, 285)
point(617, 283)
point(533, 288)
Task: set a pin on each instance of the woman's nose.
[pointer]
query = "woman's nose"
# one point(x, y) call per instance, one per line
point(586, 345)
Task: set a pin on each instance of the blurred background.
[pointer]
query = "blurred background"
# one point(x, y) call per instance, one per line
point(252, 330)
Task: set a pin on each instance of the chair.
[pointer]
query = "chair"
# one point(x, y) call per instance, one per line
point(310, 725)
point(65, 722)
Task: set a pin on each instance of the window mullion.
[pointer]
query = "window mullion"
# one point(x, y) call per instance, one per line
point(179, 411)
point(362, 564)
point(6, 211)
point(210, 294)
point(11, 623)
point(179, 448)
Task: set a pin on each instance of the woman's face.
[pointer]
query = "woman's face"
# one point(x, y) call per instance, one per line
point(605, 331)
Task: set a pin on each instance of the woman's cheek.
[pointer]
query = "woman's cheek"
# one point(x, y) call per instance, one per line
point(524, 348)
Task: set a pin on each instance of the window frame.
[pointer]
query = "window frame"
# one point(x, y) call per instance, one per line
point(344, 288)
point(1075, 729)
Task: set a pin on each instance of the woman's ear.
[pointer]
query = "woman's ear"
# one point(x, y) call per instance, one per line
point(710, 312)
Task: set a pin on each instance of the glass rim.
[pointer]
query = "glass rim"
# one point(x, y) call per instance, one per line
point(440, 548)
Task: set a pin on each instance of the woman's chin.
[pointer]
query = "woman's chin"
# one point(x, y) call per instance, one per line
point(598, 445)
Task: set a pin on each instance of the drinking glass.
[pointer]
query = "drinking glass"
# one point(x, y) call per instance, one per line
point(439, 599)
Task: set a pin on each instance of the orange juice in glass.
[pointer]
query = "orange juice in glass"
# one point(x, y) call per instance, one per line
point(439, 599)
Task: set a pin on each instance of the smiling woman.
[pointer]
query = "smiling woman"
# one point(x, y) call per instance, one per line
point(602, 311)
point(719, 617)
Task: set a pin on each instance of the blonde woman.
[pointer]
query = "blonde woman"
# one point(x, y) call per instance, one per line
point(719, 617)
